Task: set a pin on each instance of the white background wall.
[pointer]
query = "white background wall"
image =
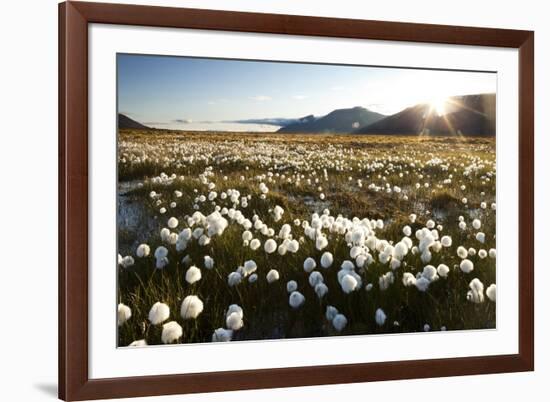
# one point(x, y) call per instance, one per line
point(28, 197)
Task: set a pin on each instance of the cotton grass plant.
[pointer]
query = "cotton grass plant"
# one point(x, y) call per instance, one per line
point(244, 224)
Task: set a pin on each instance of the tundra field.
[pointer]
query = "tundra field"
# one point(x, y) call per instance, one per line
point(228, 236)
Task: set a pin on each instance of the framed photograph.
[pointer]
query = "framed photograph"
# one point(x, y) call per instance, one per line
point(260, 200)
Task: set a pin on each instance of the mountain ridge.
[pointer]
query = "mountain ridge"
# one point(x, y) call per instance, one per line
point(336, 122)
point(472, 115)
point(124, 122)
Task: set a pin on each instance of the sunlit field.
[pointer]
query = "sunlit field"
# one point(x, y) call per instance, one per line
point(230, 237)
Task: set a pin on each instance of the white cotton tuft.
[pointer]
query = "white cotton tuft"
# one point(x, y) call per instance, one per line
point(321, 290)
point(247, 236)
point(331, 312)
point(315, 278)
point(173, 239)
point(171, 332)
point(408, 279)
point(255, 244)
point(234, 278)
point(249, 267)
point(191, 307)
point(309, 264)
point(143, 250)
point(159, 313)
point(208, 262)
point(347, 265)
point(293, 246)
point(466, 266)
point(442, 270)
point(348, 283)
point(173, 223)
point(193, 275)
point(204, 240)
point(475, 294)
point(462, 252)
point(161, 252)
point(296, 299)
point(252, 278)
point(185, 235)
point(164, 234)
point(384, 258)
point(446, 241)
point(234, 321)
point(339, 322)
point(235, 308)
point(422, 284)
point(491, 292)
point(270, 246)
point(361, 260)
point(395, 263)
point(380, 317)
point(401, 249)
point(407, 230)
point(138, 343)
point(326, 260)
point(430, 273)
point(476, 224)
point(493, 253)
point(272, 276)
point(291, 286)
point(321, 242)
point(426, 256)
point(222, 335)
point(285, 231)
point(161, 263)
point(385, 280)
point(216, 224)
point(127, 261)
point(123, 314)
point(278, 213)
point(480, 237)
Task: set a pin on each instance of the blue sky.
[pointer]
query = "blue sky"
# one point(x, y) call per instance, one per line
point(198, 93)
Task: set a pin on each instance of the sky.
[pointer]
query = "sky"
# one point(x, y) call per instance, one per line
point(216, 94)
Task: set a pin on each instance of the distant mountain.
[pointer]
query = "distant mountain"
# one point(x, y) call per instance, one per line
point(125, 122)
point(337, 121)
point(275, 121)
point(473, 115)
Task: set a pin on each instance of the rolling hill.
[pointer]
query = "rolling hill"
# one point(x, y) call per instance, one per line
point(337, 121)
point(125, 122)
point(473, 115)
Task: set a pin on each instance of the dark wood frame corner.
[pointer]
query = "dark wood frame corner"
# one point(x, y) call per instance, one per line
point(74, 17)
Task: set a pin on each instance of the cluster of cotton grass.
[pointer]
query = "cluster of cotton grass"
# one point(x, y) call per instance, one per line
point(322, 257)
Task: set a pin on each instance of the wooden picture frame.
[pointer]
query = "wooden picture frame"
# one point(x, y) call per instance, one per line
point(74, 381)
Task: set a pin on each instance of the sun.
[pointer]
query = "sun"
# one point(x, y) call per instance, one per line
point(439, 105)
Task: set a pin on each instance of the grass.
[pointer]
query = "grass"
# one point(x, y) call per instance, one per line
point(241, 162)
